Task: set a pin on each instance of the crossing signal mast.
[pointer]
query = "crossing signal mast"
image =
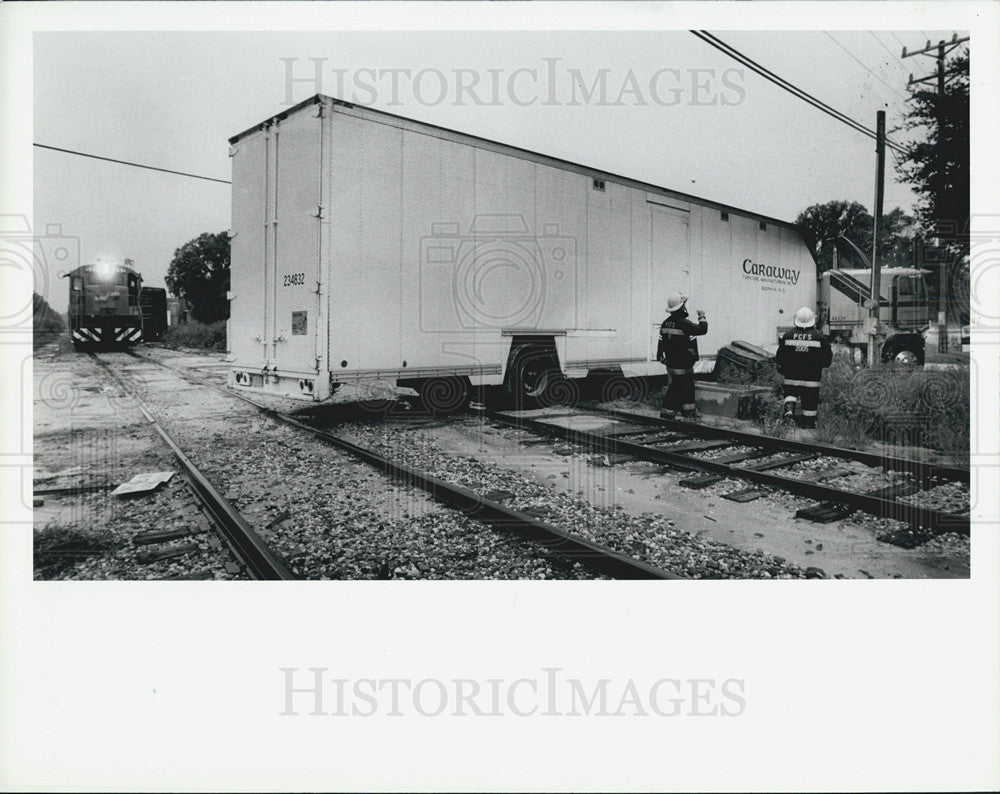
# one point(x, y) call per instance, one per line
point(939, 52)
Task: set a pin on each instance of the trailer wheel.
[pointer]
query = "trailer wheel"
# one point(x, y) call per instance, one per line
point(443, 396)
point(533, 375)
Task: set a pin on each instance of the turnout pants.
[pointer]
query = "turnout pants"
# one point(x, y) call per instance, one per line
point(805, 394)
point(679, 396)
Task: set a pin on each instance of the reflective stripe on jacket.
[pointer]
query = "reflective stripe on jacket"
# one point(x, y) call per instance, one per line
point(802, 355)
point(677, 347)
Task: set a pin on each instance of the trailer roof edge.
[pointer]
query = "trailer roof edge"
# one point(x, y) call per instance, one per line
point(568, 164)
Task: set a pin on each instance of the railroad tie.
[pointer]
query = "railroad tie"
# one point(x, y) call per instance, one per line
point(827, 512)
point(824, 513)
point(691, 446)
point(163, 535)
point(147, 557)
point(632, 431)
point(744, 495)
point(703, 480)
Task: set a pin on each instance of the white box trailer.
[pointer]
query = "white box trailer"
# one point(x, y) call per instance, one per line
point(369, 247)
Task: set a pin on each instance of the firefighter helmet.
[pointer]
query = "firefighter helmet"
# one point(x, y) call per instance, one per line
point(805, 317)
point(675, 301)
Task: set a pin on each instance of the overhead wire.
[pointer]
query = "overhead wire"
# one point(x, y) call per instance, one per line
point(134, 165)
point(862, 65)
point(799, 93)
point(882, 43)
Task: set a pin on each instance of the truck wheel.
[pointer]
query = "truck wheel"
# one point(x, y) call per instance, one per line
point(906, 359)
point(442, 396)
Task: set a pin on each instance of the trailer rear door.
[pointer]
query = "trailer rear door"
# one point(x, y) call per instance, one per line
point(294, 268)
point(246, 329)
point(669, 262)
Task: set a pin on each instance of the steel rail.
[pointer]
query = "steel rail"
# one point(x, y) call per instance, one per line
point(594, 555)
point(261, 563)
point(924, 470)
point(931, 520)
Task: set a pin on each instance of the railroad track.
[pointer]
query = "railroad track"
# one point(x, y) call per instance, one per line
point(243, 541)
point(758, 460)
point(595, 556)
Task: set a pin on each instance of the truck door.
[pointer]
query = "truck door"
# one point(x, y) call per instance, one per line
point(295, 268)
point(909, 302)
point(669, 258)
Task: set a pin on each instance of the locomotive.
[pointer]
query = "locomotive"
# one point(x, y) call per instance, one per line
point(104, 306)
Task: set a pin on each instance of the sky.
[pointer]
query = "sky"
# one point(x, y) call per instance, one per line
point(673, 112)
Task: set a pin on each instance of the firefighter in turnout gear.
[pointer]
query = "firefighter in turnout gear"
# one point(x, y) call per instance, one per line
point(678, 350)
point(803, 353)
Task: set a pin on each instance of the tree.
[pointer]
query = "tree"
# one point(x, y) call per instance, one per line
point(897, 237)
point(938, 166)
point(46, 323)
point(199, 273)
point(827, 221)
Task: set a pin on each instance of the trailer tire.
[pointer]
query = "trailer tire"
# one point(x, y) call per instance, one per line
point(442, 396)
point(533, 374)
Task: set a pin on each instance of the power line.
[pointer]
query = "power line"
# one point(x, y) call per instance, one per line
point(732, 52)
point(887, 49)
point(736, 55)
point(858, 61)
point(134, 165)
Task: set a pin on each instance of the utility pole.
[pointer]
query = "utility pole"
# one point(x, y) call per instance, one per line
point(939, 52)
point(876, 291)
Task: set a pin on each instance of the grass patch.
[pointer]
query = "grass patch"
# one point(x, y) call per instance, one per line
point(922, 408)
point(59, 548)
point(196, 335)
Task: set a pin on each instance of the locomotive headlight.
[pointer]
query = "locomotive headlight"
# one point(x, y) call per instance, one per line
point(105, 270)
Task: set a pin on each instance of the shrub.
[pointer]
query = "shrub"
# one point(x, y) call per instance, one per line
point(914, 408)
point(46, 323)
point(197, 335)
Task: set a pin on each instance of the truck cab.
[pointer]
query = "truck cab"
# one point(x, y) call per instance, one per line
point(904, 311)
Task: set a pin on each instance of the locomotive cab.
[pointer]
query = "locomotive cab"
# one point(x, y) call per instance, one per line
point(104, 305)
